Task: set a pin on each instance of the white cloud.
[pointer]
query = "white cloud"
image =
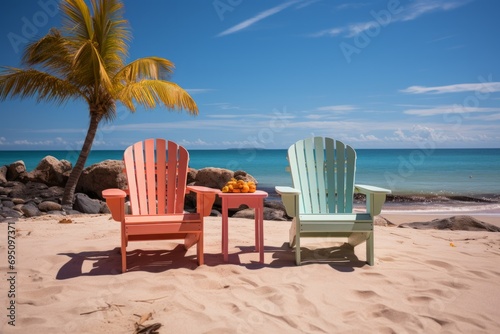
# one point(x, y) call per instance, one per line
point(483, 87)
point(449, 109)
point(33, 143)
point(362, 139)
point(197, 142)
point(251, 21)
point(198, 90)
point(328, 32)
point(399, 14)
point(306, 3)
point(224, 106)
point(487, 118)
point(341, 107)
point(419, 8)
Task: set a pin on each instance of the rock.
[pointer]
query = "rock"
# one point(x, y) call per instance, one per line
point(34, 200)
point(104, 208)
point(5, 190)
point(273, 214)
point(18, 190)
point(464, 223)
point(216, 178)
point(50, 171)
point(16, 169)
point(213, 177)
point(3, 174)
point(18, 201)
point(56, 213)
point(31, 210)
point(53, 193)
point(104, 175)
point(191, 175)
point(71, 212)
point(10, 213)
point(269, 214)
point(85, 204)
point(381, 221)
point(49, 206)
point(8, 204)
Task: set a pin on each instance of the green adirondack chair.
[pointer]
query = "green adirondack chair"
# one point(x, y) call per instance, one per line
point(321, 199)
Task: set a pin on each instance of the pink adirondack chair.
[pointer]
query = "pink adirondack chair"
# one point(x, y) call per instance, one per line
point(156, 172)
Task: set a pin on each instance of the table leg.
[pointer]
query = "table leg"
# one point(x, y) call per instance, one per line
point(261, 231)
point(225, 238)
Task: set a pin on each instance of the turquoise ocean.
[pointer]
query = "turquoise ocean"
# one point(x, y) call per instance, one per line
point(420, 178)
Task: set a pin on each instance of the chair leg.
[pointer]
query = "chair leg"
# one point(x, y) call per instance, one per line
point(297, 249)
point(370, 256)
point(124, 259)
point(199, 249)
point(292, 233)
point(124, 252)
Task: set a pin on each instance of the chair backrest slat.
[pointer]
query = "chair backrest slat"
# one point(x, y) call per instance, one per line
point(330, 167)
point(150, 173)
point(323, 169)
point(161, 174)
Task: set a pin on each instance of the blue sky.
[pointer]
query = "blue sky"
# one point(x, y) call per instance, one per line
point(375, 74)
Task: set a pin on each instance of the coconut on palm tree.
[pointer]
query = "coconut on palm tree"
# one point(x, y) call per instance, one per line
point(85, 59)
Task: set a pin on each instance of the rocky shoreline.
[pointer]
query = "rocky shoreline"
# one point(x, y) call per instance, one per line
point(39, 192)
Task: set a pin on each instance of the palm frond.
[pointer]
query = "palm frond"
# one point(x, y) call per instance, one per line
point(154, 68)
point(90, 68)
point(77, 20)
point(111, 33)
point(30, 83)
point(153, 93)
point(50, 52)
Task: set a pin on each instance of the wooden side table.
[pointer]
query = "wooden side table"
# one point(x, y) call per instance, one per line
point(253, 200)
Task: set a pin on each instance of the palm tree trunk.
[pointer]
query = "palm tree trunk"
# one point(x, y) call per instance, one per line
point(69, 189)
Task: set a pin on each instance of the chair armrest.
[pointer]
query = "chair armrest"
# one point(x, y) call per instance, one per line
point(115, 200)
point(375, 197)
point(290, 199)
point(205, 198)
point(365, 189)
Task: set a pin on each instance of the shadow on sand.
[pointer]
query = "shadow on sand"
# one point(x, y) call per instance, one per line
point(108, 262)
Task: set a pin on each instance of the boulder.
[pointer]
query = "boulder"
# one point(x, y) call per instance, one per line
point(269, 214)
point(30, 210)
point(85, 204)
point(16, 169)
point(3, 174)
point(213, 177)
point(49, 206)
point(5, 191)
point(18, 190)
point(8, 204)
point(191, 176)
point(18, 201)
point(9, 213)
point(455, 223)
point(50, 171)
point(381, 221)
point(53, 193)
point(104, 175)
point(216, 178)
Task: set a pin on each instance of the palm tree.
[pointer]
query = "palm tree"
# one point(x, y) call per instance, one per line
point(86, 59)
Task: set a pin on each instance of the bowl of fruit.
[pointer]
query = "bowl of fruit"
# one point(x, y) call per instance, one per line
point(239, 186)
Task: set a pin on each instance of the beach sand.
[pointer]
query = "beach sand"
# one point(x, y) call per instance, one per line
point(67, 280)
